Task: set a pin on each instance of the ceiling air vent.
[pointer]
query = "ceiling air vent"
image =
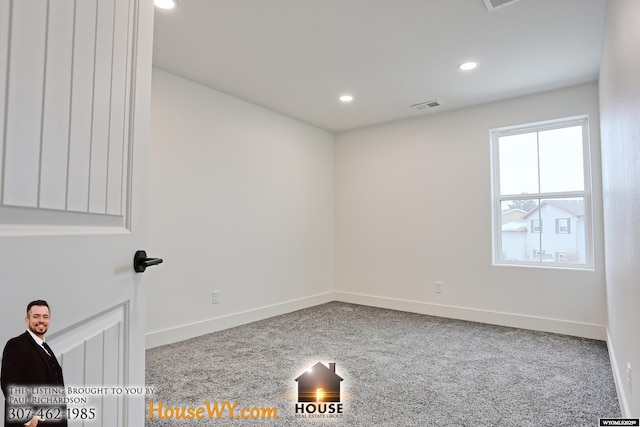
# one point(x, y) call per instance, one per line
point(495, 4)
point(424, 105)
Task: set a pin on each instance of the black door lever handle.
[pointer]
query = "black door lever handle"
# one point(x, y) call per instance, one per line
point(141, 262)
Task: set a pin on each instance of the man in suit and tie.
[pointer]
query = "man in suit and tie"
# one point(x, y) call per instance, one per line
point(31, 374)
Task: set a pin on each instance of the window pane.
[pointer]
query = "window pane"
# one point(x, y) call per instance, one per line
point(518, 164)
point(563, 231)
point(547, 231)
point(561, 161)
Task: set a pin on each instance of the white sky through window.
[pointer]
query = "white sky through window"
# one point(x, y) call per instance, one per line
point(542, 162)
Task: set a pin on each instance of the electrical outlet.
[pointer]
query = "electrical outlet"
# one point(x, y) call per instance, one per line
point(629, 378)
point(215, 297)
point(438, 287)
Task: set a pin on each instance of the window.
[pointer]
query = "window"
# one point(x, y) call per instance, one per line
point(541, 194)
point(563, 225)
point(536, 226)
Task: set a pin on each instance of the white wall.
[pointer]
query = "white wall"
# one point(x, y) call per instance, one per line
point(241, 200)
point(414, 207)
point(620, 110)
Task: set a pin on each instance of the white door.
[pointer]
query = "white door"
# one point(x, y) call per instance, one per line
point(75, 80)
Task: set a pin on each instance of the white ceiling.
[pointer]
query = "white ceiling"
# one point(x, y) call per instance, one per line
point(297, 56)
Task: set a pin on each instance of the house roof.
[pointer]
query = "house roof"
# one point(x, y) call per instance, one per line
point(515, 226)
point(323, 369)
point(509, 211)
point(573, 207)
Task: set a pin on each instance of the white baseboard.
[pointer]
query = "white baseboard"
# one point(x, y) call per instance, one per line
point(191, 330)
point(623, 398)
point(584, 330)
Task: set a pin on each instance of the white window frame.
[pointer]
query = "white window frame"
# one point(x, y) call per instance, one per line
point(497, 199)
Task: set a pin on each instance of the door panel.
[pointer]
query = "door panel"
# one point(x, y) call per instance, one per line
point(67, 140)
point(117, 155)
point(92, 354)
point(75, 80)
point(24, 103)
point(57, 99)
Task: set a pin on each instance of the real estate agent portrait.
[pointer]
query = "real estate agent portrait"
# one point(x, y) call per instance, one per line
point(31, 377)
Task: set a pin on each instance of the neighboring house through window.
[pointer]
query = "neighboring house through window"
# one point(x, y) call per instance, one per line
point(541, 194)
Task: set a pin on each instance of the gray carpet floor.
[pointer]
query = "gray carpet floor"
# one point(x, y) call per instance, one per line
point(398, 369)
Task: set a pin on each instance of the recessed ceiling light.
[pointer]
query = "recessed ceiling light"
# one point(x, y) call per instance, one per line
point(346, 98)
point(468, 66)
point(165, 4)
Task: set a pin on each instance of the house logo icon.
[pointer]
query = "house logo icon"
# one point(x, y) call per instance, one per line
point(319, 392)
point(319, 384)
